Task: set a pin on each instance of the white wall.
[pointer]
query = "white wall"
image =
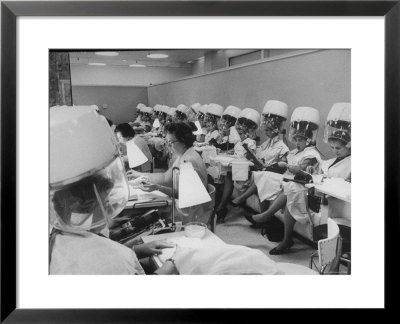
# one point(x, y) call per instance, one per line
point(318, 79)
point(86, 75)
point(121, 101)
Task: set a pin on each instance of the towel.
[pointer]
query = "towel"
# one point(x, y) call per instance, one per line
point(222, 259)
point(268, 184)
point(240, 170)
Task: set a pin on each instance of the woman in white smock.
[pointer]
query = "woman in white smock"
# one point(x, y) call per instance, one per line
point(246, 126)
point(339, 167)
point(304, 158)
point(86, 197)
point(265, 186)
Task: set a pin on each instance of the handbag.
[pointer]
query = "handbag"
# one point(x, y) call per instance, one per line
point(273, 230)
point(313, 201)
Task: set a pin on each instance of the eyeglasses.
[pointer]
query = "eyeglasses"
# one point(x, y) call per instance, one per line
point(171, 142)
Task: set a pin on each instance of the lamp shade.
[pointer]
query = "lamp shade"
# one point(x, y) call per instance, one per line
point(191, 189)
point(135, 156)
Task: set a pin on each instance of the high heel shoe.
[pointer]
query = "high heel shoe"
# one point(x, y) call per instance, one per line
point(284, 250)
point(255, 223)
point(221, 215)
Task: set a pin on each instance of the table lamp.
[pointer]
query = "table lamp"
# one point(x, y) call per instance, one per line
point(191, 189)
point(135, 155)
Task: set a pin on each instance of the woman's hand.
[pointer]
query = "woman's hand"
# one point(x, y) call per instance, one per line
point(152, 248)
point(132, 174)
point(282, 164)
point(294, 168)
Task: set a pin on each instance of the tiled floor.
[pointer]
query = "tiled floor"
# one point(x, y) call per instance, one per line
point(237, 230)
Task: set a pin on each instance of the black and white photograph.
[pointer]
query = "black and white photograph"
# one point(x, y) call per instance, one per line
point(200, 161)
point(161, 159)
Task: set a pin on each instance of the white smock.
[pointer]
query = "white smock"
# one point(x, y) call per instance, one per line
point(92, 254)
point(296, 192)
point(269, 183)
point(240, 151)
point(272, 150)
point(341, 169)
point(234, 136)
point(338, 208)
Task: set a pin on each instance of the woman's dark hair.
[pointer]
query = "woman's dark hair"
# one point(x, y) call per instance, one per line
point(337, 140)
point(229, 119)
point(249, 124)
point(126, 130)
point(183, 132)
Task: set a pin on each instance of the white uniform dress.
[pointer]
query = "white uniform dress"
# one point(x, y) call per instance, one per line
point(295, 192)
point(240, 150)
point(234, 136)
point(272, 150)
point(341, 169)
point(269, 183)
point(92, 254)
point(338, 208)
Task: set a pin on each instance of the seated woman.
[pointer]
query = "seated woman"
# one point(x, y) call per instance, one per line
point(147, 119)
point(271, 153)
point(339, 166)
point(338, 135)
point(85, 201)
point(200, 117)
point(228, 135)
point(212, 117)
point(180, 139)
point(184, 114)
point(138, 119)
point(305, 157)
point(246, 126)
point(157, 142)
point(125, 133)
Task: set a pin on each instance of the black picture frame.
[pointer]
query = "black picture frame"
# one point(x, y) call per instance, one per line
point(11, 10)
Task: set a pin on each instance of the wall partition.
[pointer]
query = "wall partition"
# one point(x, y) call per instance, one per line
point(315, 78)
point(115, 102)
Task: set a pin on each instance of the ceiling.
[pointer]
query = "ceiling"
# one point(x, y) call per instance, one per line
point(176, 58)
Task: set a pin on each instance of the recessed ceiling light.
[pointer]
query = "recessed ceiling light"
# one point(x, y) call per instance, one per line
point(157, 55)
point(107, 53)
point(190, 62)
point(97, 64)
point(137, 65)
